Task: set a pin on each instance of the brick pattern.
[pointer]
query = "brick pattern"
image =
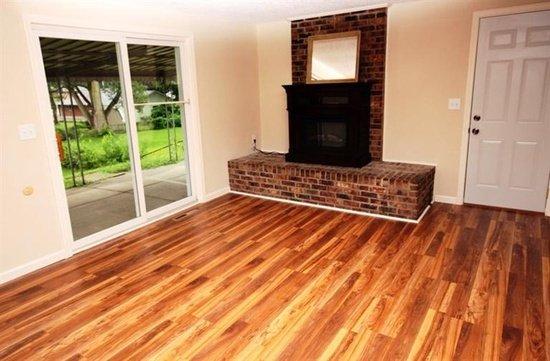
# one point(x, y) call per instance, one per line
point(372, 59)
point(392, 189)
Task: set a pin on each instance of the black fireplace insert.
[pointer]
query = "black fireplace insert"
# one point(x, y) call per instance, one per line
point(329, 123)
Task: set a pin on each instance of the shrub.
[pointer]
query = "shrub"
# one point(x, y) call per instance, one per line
point(90, 156)
point(82, 128)
point(162, 117)
point(114, 148)
point(99, 132)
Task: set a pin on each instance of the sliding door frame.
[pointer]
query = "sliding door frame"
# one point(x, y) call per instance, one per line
point(182, 103)
point(37, 27)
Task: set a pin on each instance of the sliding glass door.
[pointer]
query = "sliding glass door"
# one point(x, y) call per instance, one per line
point(161, 123)
point(121, 142)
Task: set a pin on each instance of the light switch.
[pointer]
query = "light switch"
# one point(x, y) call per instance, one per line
point(454, 104)
point(27, 131)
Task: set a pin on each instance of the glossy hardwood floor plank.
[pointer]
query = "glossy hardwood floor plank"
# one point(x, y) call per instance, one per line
point(248, 279)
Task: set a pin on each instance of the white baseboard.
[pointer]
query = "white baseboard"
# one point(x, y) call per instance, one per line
point(217, 193)
point(399, 219)
point(47, 260)
point(458, 201)
point(33, 266)
point(448, 199)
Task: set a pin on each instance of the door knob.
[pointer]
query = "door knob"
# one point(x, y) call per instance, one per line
point(477, 118)
point(475, 131)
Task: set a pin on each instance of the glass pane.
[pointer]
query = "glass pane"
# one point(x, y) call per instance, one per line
point(333, 134)
point(154, 73)
point(160, 123)
point(324, 133)
point(91, 130)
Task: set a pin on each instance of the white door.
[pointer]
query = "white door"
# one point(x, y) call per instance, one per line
point(509, 149)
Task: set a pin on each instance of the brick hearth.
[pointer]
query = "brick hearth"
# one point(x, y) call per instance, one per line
point(391, 189)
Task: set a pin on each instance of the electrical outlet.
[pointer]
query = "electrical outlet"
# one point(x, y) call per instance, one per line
point(454, 104)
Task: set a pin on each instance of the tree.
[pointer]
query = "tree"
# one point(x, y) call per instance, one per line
point(52, 91)
point(87, 96)
point(93, 109)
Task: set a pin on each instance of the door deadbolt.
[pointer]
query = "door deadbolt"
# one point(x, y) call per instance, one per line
point(477, 118)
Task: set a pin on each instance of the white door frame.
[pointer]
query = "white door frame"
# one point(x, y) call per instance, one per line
point(36, 26)
point(478, 15)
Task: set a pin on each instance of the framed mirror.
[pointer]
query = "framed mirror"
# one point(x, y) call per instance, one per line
point(333, 58)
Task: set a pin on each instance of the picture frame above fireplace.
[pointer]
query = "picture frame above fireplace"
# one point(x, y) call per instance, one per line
point(333, 58)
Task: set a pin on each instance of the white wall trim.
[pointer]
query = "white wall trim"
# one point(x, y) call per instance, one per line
point(36, 25)
point(448, 199)
point(336, 12)
point(399, 219)
point(46, 127)
point(144, 32)
point(215, 194)
point(33, 265)
point(194, 138)
point(152, 219)
point(74, 249)
point(47, 260)
point(469, 91)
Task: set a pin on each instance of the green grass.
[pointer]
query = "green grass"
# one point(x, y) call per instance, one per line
point(153, 150)
point(80, 125)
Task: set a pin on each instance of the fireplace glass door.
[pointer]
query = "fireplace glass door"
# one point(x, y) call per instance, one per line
point(325, 133)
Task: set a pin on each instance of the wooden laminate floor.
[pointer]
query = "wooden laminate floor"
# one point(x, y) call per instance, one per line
point(248, 279)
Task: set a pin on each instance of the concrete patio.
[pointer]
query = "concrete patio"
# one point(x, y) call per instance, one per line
point(108, 202)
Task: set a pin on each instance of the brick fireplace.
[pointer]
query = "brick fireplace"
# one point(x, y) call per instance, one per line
point(391, 189)
point(323, 136)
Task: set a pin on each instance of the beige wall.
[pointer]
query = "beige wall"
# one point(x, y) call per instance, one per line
point(427, 63)
point(274, 59)
point(240, 70)
point(226, 60)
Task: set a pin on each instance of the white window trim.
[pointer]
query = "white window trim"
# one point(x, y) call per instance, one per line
point(36, 26)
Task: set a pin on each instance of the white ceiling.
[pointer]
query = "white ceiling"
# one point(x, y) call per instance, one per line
point(263, 10)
